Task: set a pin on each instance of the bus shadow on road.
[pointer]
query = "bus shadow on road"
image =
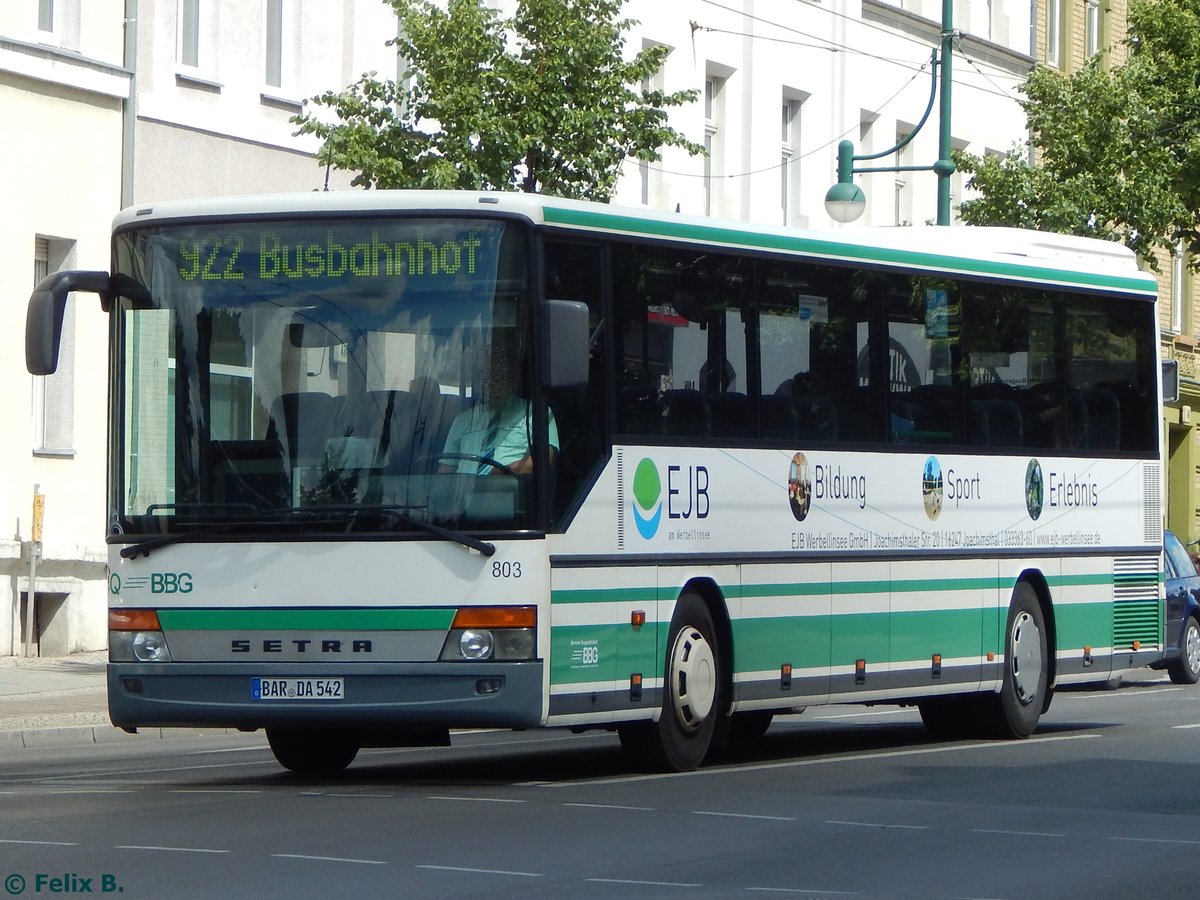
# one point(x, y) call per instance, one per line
point(558, 756)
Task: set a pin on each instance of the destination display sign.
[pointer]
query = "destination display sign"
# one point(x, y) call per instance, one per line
point(280, 253)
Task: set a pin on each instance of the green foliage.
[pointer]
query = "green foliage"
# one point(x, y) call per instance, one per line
point(542, 101)
point(1116, 148)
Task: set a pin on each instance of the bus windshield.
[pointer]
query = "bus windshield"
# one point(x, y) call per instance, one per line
point(354, 375)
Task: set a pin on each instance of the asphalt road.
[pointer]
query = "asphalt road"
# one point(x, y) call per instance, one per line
point(1103, 801)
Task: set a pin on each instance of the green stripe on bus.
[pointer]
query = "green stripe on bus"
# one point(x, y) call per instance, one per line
point(605, 595)
point(304, 619)
point(807, 642)
point(812, 247)
point(842, 588)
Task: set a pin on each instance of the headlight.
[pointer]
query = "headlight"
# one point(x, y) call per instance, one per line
point(476, 644)
point(480, 644)
point(138, 646)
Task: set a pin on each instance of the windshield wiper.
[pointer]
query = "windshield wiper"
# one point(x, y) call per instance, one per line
point(396, 512)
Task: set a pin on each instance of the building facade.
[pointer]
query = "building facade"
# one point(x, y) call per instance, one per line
point(123, 102)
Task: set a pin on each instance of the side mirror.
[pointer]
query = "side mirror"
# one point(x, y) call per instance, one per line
point(567, 343)
point(43, 321)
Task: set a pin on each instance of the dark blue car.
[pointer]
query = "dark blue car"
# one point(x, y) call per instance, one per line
point(1182, 640)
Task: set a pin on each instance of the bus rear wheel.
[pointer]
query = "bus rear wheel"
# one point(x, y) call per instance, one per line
point(694, 695)
point(313, 752)
point(1014, 712)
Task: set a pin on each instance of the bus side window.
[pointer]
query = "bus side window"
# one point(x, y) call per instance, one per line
point(573, 272)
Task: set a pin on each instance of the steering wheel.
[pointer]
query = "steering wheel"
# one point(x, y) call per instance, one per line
point(496, 465)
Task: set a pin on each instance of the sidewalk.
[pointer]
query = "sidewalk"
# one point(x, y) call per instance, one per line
point(51, 700)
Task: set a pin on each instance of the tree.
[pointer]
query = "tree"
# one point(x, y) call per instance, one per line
point(1115, 148)
point(543, 101)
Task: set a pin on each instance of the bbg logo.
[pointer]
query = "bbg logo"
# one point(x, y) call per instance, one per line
point(647, 499)
point(158, 582)
point(170, 583)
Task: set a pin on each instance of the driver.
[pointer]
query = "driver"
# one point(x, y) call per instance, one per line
point(498, 428)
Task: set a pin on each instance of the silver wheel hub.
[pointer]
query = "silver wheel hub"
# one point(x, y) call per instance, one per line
point(1026, 662)
point(1191, 646)
point(693, 678)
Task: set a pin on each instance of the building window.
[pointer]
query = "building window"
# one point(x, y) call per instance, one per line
point(59, 23)
point(1092, 27)
point(189, 33)
point(196, 38)
point(713, 102)
point(273, 52)
point(789, 118)
point(646, 180)
point(54, 395)
point(281, 43)
point(1054, 11)
point(904, 187)
point(1181, 292)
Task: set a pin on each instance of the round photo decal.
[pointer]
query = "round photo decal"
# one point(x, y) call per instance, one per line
point(799, 487)
point(1034, 490)
point(931, 487)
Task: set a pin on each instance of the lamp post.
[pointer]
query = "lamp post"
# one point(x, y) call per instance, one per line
point(845, 201)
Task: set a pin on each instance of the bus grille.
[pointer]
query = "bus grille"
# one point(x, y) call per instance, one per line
point(1152, 502)
point(1137, 613)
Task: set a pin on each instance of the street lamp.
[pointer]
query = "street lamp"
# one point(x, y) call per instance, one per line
point(845, 201)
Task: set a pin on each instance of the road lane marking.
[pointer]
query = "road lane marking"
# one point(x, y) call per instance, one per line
point(39, 843)
point(168, 849)
point(863, 715)
point(825, 760)
point(729, 815)
point(1053, 834)
point(820, 892)
point(877, 825)
point(482, 871)
point(213, 791)
point(90, 791)
point(612, 806)
point(1138, 840)
point(367, 796)
point(1187, 726)
point(1108, 695)
point(477, 799)
point(674, 884)
point(337, 859)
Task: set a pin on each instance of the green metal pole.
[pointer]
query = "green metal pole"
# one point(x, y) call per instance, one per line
point(945, 166)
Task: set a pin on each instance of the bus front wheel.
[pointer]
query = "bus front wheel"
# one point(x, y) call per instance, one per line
point(312, 752)
point(1014, 712)
point(694, 695)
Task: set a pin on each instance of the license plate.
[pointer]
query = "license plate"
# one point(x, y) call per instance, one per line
point(297, 689)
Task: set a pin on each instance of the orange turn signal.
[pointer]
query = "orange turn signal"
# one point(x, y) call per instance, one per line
point(495, 617)
point(133, 620)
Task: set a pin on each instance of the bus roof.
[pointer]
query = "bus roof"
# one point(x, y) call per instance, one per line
point(1003, 253)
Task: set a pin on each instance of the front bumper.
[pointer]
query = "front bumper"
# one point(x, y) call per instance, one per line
point(377, 695)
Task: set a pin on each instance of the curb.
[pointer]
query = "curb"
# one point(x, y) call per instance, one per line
point(67, 735)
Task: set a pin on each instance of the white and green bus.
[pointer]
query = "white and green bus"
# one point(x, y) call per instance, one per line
point(739, 470)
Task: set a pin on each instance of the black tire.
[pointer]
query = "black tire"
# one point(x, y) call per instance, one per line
point(1185, 669)
point(1015, 711)
point(947, 718)
point(313, 752)
point(695, 695)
